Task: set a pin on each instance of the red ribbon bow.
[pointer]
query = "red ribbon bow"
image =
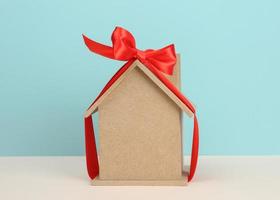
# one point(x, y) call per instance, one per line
point(124, 49)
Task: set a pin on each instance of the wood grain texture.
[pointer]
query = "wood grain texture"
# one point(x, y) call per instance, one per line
point(140, 133)
point(175, 79)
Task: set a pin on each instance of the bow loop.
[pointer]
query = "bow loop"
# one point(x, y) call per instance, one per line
point(163, 59)
point(123, 44)
point(124, 48)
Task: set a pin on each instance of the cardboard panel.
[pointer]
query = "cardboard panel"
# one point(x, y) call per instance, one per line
point(176, 79)
point(177, 182)
point(140, 131)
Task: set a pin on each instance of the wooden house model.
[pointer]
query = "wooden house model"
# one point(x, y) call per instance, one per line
point(140, 130)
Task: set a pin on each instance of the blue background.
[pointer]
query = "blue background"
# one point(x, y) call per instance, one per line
point(230, 57)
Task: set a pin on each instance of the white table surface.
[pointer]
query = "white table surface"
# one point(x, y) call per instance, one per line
point(65, 178)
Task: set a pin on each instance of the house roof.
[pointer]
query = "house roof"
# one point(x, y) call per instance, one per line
point(157, 77)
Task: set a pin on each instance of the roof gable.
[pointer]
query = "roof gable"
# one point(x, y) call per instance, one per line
point(119, 77)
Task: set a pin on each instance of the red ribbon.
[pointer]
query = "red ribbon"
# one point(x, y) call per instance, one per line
point(157, 61)
point(124, 49)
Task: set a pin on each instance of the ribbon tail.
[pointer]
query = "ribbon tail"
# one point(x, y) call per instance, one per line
point(91, 152)
point(99, 48)
point(195, 146)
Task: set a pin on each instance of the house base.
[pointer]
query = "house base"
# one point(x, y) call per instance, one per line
point(176, 182)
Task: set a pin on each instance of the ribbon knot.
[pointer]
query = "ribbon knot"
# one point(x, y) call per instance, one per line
point(124, 49)
point(141, 55)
